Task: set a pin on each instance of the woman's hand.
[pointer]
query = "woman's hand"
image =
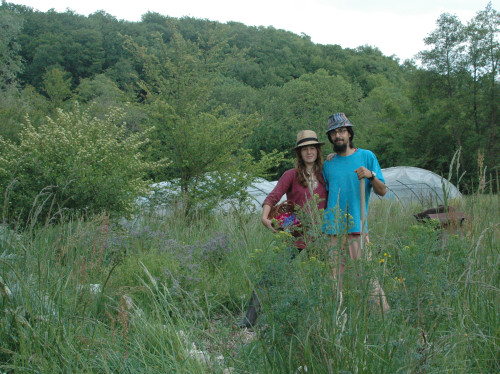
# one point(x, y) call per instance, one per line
point(330, 156)
point(268, 223)
point(266, 209)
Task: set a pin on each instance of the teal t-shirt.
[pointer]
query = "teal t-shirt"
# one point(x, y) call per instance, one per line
point(343, 210)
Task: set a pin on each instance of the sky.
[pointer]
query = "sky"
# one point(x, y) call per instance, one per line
point(396, 27)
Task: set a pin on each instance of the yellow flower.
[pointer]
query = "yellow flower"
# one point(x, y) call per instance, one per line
point(285, 233)
point(381, 261)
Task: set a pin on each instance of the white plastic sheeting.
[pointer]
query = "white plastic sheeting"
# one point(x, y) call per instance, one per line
point(409, 184)
point(162, 193)
point(259, 191)
point(405, 184)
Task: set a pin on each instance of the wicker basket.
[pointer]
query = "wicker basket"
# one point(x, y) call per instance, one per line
point(286, 206)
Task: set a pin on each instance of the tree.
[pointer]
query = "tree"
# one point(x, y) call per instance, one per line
point(57, 86)
point(100, 93)
point(13, 107)
point(485, 30)
point(10, 58)
point(368, 67)
point(385, 124)
point(67, 40)
point(458, 90)
point(446, 57)
point(303, 103)
point(203, 143)
point(208, 161)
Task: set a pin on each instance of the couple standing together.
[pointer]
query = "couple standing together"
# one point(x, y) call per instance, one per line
point(337, 183)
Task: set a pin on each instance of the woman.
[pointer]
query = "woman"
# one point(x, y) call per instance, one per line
point(297, 184)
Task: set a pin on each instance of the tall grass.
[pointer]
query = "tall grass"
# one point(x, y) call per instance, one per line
point(160, 295)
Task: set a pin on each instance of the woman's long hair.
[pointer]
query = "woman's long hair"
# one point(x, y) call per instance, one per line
point(300, 166)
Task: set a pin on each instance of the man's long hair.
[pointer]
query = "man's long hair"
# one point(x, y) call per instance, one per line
point(300, 166)
point(350, 130)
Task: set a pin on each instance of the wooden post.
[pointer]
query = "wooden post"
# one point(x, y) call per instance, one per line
point(362, 195)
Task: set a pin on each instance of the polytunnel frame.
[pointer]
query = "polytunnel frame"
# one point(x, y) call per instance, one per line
point(421, 199)
point(424, 187)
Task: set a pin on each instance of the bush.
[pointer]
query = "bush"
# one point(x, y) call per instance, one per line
point(72, 162)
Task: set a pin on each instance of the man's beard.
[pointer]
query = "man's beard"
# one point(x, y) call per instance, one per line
point(339, 148)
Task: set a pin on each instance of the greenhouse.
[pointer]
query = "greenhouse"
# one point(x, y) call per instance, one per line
point(405, 184)
point(408, 184)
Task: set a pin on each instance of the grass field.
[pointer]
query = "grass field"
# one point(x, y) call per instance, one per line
point(160, 295)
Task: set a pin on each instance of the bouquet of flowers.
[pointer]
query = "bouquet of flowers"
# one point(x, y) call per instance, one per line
point(284, 218)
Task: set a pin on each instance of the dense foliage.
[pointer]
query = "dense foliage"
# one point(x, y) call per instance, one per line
point(72, 162)
point(219, 95)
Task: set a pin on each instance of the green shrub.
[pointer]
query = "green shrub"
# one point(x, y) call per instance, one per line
point(72, 162)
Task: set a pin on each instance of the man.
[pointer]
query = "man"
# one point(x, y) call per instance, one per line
point(342, 174)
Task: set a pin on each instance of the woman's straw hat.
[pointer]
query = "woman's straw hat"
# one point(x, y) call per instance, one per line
point(307, 137)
